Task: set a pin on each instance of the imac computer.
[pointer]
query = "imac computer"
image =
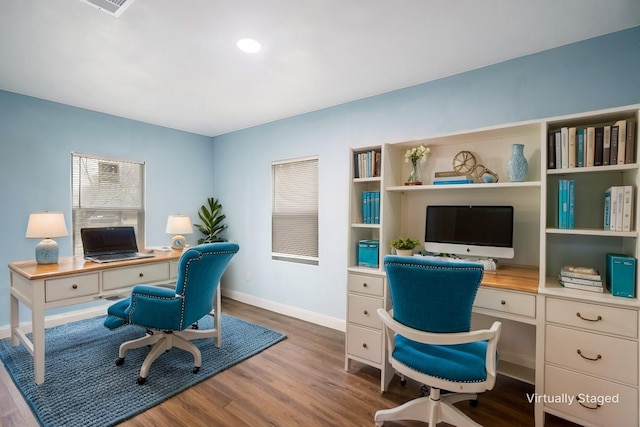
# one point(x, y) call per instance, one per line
point(470, 231)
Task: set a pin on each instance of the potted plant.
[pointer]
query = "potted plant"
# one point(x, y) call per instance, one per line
point(211, 217)
point(404, 246)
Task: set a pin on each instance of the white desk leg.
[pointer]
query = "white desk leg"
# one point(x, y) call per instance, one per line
point(37, 322)
point(217, 306)
point(15, 320)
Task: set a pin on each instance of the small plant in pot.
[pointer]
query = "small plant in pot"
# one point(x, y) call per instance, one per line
point(404, 246)
point(211, 216)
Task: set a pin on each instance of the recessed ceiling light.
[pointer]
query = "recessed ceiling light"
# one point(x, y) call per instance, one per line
point(248, 45)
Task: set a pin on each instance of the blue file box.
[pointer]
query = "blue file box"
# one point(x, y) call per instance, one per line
point(368, 253)
point(621, 275)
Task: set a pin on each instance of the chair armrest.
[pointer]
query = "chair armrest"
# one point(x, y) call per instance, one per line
point(435, 338)
point(153, 291)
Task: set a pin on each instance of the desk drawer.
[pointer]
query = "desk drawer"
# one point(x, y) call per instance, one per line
point(506, 302)
point(138, 274)
point(562, 385)
point(593, 317)
point(370, 285)
point(593, 354)
point(363, 310)
point(364, 343)
point(65, 288)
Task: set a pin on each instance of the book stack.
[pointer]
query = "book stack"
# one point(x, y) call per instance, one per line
point(566, 203)
point(583, 278)
point(456, 179)
point(366, 164)
point(371, 207)
point(618, 208)
point(598, 145)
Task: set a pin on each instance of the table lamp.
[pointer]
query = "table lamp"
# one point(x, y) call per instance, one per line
point(45, 225)
point(178, 225)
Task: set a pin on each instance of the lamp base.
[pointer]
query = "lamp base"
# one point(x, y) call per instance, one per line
point(47, 252)
point(178, 242)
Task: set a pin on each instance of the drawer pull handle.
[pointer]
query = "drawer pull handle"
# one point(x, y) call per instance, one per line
point(141, 274)
point(74, 286)
point(503, 302)
point(579, 400)
point(364, 285)
point(598, 357)
point(366, 313)
point(364, 345)
point(597, 319)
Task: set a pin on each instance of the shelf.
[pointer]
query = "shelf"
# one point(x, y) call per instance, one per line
point(552, 287)
point(591, 232)
point(369, 179)
point(493, 186)
point(369, 226)
point(593, 169)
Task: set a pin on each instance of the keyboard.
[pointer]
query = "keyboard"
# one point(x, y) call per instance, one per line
point(117, 257)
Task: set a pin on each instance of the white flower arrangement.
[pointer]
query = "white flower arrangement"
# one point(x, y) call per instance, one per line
point(416, 153)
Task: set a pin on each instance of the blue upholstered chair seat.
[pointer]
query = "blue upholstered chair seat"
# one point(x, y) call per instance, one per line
point(460, 362)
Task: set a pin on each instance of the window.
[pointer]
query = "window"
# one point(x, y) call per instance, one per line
point(294, 225)
point(106, 193)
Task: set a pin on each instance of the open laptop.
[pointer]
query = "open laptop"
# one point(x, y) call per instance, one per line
point(110, 244)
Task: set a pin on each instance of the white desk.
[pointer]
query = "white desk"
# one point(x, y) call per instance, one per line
point(73, 281)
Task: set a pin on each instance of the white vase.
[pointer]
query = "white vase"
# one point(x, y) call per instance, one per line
point(404, 252)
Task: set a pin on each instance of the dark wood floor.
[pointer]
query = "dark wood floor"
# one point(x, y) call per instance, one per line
point(298, 382)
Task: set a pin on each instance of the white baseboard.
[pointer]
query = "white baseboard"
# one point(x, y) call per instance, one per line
point(287, 310)
point(58, 319)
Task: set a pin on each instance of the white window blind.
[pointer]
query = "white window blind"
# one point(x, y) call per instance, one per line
point(295, 210)
point(106, 193)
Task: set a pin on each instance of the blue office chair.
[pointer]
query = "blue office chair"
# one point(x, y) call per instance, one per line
point(170, 316)
point(429, 338)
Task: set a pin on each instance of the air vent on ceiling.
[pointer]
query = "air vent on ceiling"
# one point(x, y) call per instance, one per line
point(112, 7)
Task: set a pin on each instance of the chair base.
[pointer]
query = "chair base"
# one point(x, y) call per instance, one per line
point(162, 341)
point(433, 409)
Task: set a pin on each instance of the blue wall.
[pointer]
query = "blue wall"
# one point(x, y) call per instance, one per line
point(36, 138)
point(590, 75)
point(36, 141)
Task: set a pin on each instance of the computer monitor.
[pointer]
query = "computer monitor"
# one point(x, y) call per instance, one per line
point(470, 231)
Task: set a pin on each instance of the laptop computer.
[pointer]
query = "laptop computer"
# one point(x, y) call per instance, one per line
point(110, 244)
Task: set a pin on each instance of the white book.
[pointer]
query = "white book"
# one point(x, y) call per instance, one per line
point(579, 281)
point(619, 208)
point(564, 146)
point(582, 287)
point(572, 147)
point(590, 146)
point(627, 207)
point(622, 140)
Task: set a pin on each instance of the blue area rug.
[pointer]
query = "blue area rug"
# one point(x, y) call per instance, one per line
point(84, 387)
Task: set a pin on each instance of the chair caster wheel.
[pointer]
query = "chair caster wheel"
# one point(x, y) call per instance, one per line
point(141, 380)
point(119, 361)
point(473, 403)
point(403, 383)
point(196, 369)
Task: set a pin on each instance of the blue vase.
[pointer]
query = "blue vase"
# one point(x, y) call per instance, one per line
point(517, 166)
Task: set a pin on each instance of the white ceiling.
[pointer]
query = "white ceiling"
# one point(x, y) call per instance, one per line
point(175, 63)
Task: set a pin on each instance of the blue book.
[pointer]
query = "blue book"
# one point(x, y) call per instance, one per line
point(571, 207)
point(563, 208)
point(463, 181)
point(376, 207)
point(607, 208)
point(365, 207)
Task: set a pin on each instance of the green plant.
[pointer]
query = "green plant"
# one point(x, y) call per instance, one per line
point(211, 217)
point(404, 243)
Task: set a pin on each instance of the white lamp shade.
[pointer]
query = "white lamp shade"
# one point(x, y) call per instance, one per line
point(179, 224)
point(45, 225)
